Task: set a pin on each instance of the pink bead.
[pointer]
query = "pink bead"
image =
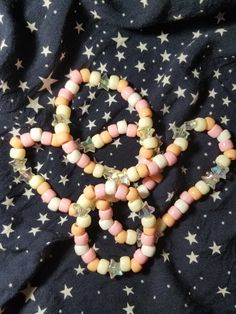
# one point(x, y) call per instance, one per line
point(106, 214)
point(225, 145)
point(84, 161)
point(89, 256)
point(64, 205)
point(121, 192)
point(81, 240)
point(46, 138)
point(99, 190)
point(131, 130)
point(174, 212)
point(153, 168)
point(76, 77)
point(26, 140)
point(127, 92)
point(69, 147)
point(63, 92)
point(115, 228)
point(48, 195)
point(141, 104)
point(149, 183)
point(185, 196)
point(158, 178)
point(113, 130)
point(139, 257)
point(215, 131)
point(148, 240)
point(171, 158)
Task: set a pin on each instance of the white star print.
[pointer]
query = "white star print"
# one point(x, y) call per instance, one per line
point(3, 44)
point(163, 37)
point(182, 58)
point(195, 73)
point(46, 3)
point(4, 86)
point(34, 230)
point(31, 121)
point(223, 291)
point(28, 193)
point(120, 41)
point(84, 108)
point(180, 92)
point(120, 55)
point(8, 202)
point(91, 125)
point(95, 15)
point(220, 17)
point(1, 17)
point(43, 218)
point(62, 220)
point(196, 34)
point(191, 238)
point(129, 309)
point(31, 26)
point(46, 51)
point(165, 109)
point(224, 120)
point(29, 292)
point(215, 248)
point(215, 196)
point(7, 230)
point(116, 143)
point(165, 255)
point(102, 67)
point(79, 270)
point(23, 86)
point(142, 46)
point(66, 292)
point(88, 52)
point(34, 104)
point(165, 56)
point(18, 64)
point(166, 80)
point(107, 116)
point(144, 3)
point(212, 93)
point(140, 66)
point(63, 179)
point(169, 196)
point(40, 311)
point(79, 27)
point(128, 290)
point(217, 73)
point(192, 258)
point(195, 98)
point(221, 31)
point(226, 101)
point(47, 82)
point(133, 215)
point(233, 86)
point(111, 99)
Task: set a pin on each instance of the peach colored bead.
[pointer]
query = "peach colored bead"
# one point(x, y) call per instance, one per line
point(215, 131)
point(90, 167)
point(15, 142)
point(185, 196)
point(149, 183)
point(113, 130)
point(92, 266)
point(225, 145)
point(61, 101)
point(76, 230)
point(210, 122)
point(168, 220)
point(72, 212)
point(135, 266)
point(106, 137)
point(102, 204)
point(141, 104)
point(121, 192)
point(48, 195)
point(115, 228)
point(147, 240)
point(171, 158)
point(146, 153)
point(122, 85)
point(158, 178)
point(85, 73)
point(153, 169)
point(43, 187)
point(142, 170)
point(132, 194)
point(121, 237)
point(231, 154)
point(89, 192)
point(139, 257)
point(82, 239)
point(55, 142)
point(175, 212)
point(69, 147)
point(63, 92)
point(89, 256)
point(106, 214)
point(46, 138)
point(63, 138)
point(126, 92)
point(131, 130)
point(173, 148)
point(149, 231)
point(26, 140)
point(64, 205)
point(195, 193)
point(83, 161)
point(160, 226)
point(76, 77)
point(99, 190)
point(145, 112)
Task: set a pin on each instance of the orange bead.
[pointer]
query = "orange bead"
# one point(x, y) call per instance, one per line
point(160, 225)
point(145, 112)
point(90, 167)
point(55, 142)
point(146, 153)
point(195, 193)
point(173, 148)
point(122, 85)
point(102, 204)
point(63, 137)
point(135, 266)
point(121, 237)
point(16, 142)
point(142, 170)
point(210, 122)
point(231, 154)
point(92, 266)
point(168, 220)
point(85, 73)
point(132, 194)
point(89, 192)
point(43, 187)
point(106, 137)
point(77, 230)
point(149, 231)
point(61, 101)
point(72, 212)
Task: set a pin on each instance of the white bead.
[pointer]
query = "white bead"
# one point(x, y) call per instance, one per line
point(133, 99)
point(110, 187)
point(136, 205)
point(35, 181)
point(132, 174)
point(181, 142)
point(113, 82)
point(200, 125)
point(36, 134)
point(145, 122)
point(98, 171)
point(122, 126)
point(105, 224)
point(143, 191)
point(53, 205)
point(84, 221)
point(17, 153)
point(81, 249)
point(149, 221)
point(103, 266)
point(95, 78)
point(224, 135)
point(202, 187)
point(125, 264)
point(160, 160)
point(72, 87)
point(74, 156)
point(84, 202)
point(97, 141)
point(150, 142)
point(181, 205)
point(63, 110)
point(223, 161)
point(148, 251)
point(62, 128)
point(131, 237)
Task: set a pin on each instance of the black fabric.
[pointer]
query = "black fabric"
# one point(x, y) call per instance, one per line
point(180, 55)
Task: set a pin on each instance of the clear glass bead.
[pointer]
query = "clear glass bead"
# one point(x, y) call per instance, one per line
point(219, 171)
point(190, 125)
point(58, 118)
point(18, 165)
point(81, 212)
point(104, 82)
point(139, 233)
point(146, 211)
point(87, 145)
point(145, 133)
point(211, 179)
point(114, 269)
point(180, 132)
point(26, 175)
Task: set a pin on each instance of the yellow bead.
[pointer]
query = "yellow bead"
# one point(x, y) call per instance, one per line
point(145, 122)
point(200, 125)
point(97, 141)
point(132, 174)
point(84, 202)
point(181, 142)
point(95, 78)
point(35, 181)
point(62, 128)
point(136, 205)
point(131, 237)
point(63, 110)
point(17, 153)
point(223, 161)
point(113, 82)
point(98, 171)
point(202, 187)
point(84, 221)
point(102, 267)
point(125, 264)
point(149, 221)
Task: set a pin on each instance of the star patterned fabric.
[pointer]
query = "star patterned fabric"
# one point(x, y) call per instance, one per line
point(181, 57)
